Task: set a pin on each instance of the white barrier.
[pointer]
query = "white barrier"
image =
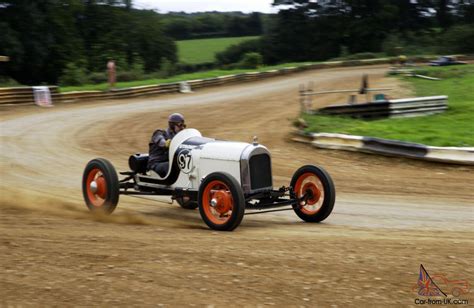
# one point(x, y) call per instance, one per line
point(454, 155)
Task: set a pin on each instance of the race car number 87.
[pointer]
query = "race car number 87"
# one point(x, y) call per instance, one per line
point(185, 161)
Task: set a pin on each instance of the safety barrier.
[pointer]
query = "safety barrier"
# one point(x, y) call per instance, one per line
point(406, 107)
point(71, 97)
point(24, 95)
point(454, 155)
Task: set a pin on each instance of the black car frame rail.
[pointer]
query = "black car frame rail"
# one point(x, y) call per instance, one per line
point(260, 202)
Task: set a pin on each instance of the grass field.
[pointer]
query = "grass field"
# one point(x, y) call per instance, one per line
point(454, 127)
point(203, 50)
point(177, 78)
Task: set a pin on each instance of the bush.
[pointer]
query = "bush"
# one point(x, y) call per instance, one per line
point(234, 53)
point(363, 55)
point(411, 43)
point(392, 46)
point(137, 65)
point(458, 39)
point(191, 68)
point(251, 60)
point(167, 68)
point(73, 75)
point(359, 56)
point(8, 82)
point(97, 77)
point(129, 76)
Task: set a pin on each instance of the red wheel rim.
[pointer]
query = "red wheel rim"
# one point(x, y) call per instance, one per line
point(310, 182)
point(96, 192)
point(217, 202)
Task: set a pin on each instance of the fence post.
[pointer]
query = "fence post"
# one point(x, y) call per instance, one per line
point(302, 97)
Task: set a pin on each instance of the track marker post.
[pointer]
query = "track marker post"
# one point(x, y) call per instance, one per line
point(42, 96)
point(185, 87)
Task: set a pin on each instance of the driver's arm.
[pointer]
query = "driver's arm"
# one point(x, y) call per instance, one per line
point(160, 140)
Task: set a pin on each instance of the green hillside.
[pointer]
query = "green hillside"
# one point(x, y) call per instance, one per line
point(203, 50)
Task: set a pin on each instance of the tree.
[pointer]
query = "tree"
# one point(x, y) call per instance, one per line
point(234, 53)
point(316, 30)
point(442, 13)
point(303, 30)
point(44, 37)
point(50, 38)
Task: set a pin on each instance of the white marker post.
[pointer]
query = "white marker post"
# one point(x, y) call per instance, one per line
point(184, 87)
point(42, 96)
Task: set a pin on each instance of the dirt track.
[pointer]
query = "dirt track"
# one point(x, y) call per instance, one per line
point(391, 214)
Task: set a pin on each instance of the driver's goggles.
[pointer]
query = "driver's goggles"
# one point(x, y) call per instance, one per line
point(178, 124)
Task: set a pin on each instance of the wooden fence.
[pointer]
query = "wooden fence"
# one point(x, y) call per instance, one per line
point(24, 95)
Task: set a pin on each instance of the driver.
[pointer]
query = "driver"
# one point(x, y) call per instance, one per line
point(158, 160)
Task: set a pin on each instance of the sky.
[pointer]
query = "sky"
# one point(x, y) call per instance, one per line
point(246, 6)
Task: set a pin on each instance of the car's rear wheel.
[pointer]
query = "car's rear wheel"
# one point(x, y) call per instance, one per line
point(100, 186)
point(314, 187)
point(221, 201)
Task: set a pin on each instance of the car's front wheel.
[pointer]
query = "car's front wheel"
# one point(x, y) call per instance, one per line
point(221, 201)
point(314, 188)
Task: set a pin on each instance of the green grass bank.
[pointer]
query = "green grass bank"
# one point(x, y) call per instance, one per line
point(176, 78)
point(454, 127)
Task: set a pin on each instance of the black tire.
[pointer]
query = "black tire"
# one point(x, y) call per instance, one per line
point(328, 189)
point(102, 201)
point(237, 200)
point(188, 205)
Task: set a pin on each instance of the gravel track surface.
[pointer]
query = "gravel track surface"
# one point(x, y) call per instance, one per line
point(391, 214)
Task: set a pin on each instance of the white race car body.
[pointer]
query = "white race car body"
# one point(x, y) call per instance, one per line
point(193, 157)
point(225, 180)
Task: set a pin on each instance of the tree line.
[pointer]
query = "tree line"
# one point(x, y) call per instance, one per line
point(317, 30)
point(44, 38)
point(183, 26)
point(62, 41)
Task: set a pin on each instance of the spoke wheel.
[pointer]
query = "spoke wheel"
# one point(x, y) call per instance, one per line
point(221, 202)
point(100, 186)
point(96, 186)
point(314, 188)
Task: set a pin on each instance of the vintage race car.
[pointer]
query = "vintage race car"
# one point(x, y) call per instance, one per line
point(224, 179)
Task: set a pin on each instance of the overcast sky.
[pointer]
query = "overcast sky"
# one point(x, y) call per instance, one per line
point(164, 6)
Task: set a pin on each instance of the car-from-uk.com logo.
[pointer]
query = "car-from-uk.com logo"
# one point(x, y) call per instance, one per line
point(439, 290)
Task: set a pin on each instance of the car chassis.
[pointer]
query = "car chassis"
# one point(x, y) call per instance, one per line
point(225, 180)
point(258, 201)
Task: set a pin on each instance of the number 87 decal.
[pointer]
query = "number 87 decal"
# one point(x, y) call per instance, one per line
point(185, 161)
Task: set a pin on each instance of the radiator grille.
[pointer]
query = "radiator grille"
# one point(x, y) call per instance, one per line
point(260, 171)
